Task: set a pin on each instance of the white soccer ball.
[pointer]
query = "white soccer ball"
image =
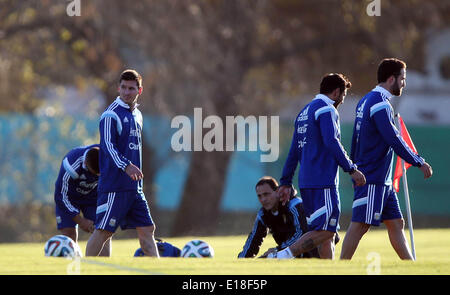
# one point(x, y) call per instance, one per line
point(62, 246)
point(197, 249)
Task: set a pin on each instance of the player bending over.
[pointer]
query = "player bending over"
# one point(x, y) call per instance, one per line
point(76, 192)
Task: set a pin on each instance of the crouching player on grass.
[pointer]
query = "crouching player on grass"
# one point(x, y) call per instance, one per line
point(76, 192)
point(287, 223)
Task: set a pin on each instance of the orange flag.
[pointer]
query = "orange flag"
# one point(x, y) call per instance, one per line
point(398, 167)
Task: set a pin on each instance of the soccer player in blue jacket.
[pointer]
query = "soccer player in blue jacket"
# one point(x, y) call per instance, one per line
point(316, 146)
point(76, 191)
point(121, 201)
point(375, 139)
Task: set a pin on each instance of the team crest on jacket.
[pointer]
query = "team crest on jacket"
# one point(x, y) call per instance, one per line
point(112, 222)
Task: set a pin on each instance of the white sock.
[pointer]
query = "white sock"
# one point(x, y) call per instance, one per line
point(285, 254)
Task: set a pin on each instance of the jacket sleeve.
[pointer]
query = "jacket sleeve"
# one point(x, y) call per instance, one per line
point(254, 239)
point(299, 220)
point(291, 161)
point(110, 129)
point(68, 171)
point(330, 133)
point(382, 115)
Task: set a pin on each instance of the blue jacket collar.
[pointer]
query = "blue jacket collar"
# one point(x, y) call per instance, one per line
point(324, 98)
point(383, 91)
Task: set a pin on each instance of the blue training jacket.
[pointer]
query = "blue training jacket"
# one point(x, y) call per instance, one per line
point(316, 146)
point(375, 138)
point(120, 144)
point(75, 183)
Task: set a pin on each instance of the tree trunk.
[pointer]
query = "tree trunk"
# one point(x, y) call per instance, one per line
point(198, 213)
point(149, 170)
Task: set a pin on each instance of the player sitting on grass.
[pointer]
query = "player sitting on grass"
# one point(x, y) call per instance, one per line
point(286, 223)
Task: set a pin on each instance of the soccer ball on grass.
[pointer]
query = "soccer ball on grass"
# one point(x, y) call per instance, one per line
point(197, 249)
point(62, 246)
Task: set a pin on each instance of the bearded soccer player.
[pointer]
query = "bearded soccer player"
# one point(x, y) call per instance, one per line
point(317, 147)
point(121, 201)
point(375, 139)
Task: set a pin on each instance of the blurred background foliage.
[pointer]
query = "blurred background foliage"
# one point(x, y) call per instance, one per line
point(229, 57)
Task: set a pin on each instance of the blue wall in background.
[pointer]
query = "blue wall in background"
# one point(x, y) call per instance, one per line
point(32, 148)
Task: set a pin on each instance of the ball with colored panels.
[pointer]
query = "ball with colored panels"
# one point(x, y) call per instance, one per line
point(62, 246)
point(197, 249)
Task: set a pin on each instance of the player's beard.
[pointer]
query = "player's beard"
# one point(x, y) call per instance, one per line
point(337, 104)
point(396, 90)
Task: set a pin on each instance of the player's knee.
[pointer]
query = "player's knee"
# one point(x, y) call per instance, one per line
point(149, 231)
point(146, 232)
point(152, 229)
point(359, 229)
point(329, 235)
point(103, 235)
point(395, 224)
point(365, 228)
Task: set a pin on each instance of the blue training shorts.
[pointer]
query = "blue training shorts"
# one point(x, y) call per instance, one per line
point(127, 209)
point(374, 203)
point(322, 208)
point(64, 220)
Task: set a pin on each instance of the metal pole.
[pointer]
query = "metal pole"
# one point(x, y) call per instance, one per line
point(407, 202)
point(408, 210)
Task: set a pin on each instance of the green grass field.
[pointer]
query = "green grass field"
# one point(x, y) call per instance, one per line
point(432, 249)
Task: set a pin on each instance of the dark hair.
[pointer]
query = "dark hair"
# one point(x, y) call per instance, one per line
point(131, 75)
point(272, 182)
point(389, 67)
point(92, 159)
point(332, 81)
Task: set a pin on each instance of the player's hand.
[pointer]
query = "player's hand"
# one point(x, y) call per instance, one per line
point(268, 252)
point(89, 226)
point(85, 224)
point(284, 193)
point(427, 170)
point(358, 177)
point(134, 172)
